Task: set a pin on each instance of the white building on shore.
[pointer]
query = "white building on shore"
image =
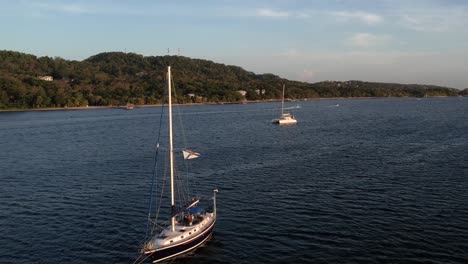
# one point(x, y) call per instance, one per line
point(46, 78)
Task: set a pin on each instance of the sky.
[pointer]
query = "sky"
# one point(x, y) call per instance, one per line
point(401, 41)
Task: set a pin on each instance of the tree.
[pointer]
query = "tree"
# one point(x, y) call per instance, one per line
point(118, 78)
point(4, 102)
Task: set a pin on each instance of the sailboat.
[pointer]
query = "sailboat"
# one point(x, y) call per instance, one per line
point(285, 118)
point(129, 106)
point(189, 225)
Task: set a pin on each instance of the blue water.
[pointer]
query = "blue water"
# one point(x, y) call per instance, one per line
point(368, 181)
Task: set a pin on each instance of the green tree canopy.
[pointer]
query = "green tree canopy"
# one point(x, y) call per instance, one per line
point(118, 78)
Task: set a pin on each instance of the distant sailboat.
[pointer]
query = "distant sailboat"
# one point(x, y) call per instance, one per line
point(190, 224)
point(129, 106)
point(285, 118)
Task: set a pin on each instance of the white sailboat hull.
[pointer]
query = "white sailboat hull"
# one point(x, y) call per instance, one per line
point(173, 244)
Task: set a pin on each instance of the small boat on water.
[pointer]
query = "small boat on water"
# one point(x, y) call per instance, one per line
point(293, 107)
point(129, 106)
point(189, 224)
point(285, 118)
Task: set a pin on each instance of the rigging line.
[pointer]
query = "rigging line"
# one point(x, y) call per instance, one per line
point(163, 187)
point(185, 193)
point(182, 190)
point(179, 115)
point(138, 261)
point(164, 184)
point(164, 178)
point(184, 139)
point(178, 190)
point(155, 166)
point(142, 253)
point(155, 172)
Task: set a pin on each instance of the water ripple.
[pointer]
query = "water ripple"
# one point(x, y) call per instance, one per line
point(372, 181)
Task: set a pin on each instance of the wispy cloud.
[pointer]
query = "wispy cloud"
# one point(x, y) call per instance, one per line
point(367, 40)
point(91, 8)
point(63, 8)
point(443, 21)
point(266, 12)
point(432, 16)
point(367, 18)
point(291, 52)
point(307, 75)
point(75, 9)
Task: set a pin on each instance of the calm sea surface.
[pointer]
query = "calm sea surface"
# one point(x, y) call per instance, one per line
point(368, 181)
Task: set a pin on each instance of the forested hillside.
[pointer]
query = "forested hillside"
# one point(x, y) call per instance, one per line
point(117, 78)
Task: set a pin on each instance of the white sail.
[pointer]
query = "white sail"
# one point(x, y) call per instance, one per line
point(188, 154)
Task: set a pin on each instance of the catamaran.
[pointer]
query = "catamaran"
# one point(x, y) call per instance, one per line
point(190, 224)
point(285, 118)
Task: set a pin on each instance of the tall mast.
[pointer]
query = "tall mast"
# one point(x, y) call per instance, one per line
point(282, 102)
point(171, 148)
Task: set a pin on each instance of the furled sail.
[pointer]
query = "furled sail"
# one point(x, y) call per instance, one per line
point(188, 154)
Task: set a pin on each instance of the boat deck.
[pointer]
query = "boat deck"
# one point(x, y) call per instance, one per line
point(183, 231)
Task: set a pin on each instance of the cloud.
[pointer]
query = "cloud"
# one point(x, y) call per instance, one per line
point(291, 52)
point(272, 13)
point(367, 18)
point(367, 40)
point(307, 75)
point(87, 8)
point(75, 9)
point(429, 16)
point(62, 8)
point(440, 22)
point(446, 69)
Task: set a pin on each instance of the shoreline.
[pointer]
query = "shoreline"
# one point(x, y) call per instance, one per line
point(123, 107)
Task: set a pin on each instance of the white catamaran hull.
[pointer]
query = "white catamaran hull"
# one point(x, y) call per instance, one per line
point(285, 122)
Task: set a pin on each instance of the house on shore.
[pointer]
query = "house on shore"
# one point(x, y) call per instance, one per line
point(46, 78)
